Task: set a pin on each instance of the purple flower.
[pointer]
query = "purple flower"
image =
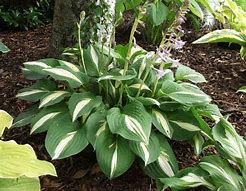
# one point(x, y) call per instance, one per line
point(174, 62)
point(161, 73)
point(178, 44)
point(181, 20)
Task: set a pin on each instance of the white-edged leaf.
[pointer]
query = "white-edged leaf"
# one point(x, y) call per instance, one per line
point(186, 73)
point(118, 75)
point(83, 103)
point(242, 89)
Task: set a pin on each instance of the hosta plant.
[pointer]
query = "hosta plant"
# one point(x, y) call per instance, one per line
point(19, 166)
point(124, 101)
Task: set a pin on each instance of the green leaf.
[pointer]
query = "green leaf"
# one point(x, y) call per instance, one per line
point(19, 184)
point(198, 142)
point(158, 13)
point(243, 51)
point(183, 94)
point(184, 124)
point(118, 75)
point(4, 48)
point(226, 135)
point(188, 178)
point(95, 121)
point(113, 156)
point(74, 78)
point(185, 73)
point(224, 35)
point(210, 110)
point(83, 103)
point(20, 160)
point(196, 9)
point(36, 91)
point(166, 165)
point(91, 59)
point(25, 118)
point(242, 89)
point(147, 101)
point(220, 171)
point(52, 98)
point(148, 152)
point(161, 122)
point(5, 121)
point(132, 123)
point(42, 120)
point(65, 138)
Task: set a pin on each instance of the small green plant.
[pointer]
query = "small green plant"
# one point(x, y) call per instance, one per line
point(19, 166)
point(4, 48)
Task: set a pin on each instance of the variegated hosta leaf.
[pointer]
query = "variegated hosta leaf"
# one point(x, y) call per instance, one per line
point(64, 73)
point(188, 178)
point(25, 118)
point(118, 75)
point(5, 121)
point(224, 35)
point(137, 86)
point(221, 172)
point(198, 142)
point(30, 75)
point(132, 123)
point(185, 95)
point(42, 121)
point(65, 138)
point(113, 155)
point(19, 184)
point(185, 73)
point(52, 98)
point(161, 122)
point(91, 59)
point(38, 66)
point(95, 121)
point(146, 101)
point(242, 89)
point(210, 110)
point(148, 152)
point(83, 103)
point(184, 124)
point(225, 134)
point(36, 91)
point(20, 160)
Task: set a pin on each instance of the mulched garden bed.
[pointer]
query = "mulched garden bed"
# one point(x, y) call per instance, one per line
point(222, 66)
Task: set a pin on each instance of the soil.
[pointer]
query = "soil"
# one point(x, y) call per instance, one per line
point(222, 66)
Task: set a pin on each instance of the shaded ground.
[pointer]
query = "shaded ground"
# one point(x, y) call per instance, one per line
point(222, 67)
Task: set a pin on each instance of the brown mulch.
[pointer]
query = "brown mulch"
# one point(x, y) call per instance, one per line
point(223, 68)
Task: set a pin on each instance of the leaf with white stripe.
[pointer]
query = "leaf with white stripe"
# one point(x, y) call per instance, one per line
point(74, 79)
point(118, 75)
point(182, 94)
point(91, 58)
point(95, 121)
point(147, 101)
point(83, 103)
point(52, 98)
point(220, 171)
point(185, 73)
point(132, 123)
point(113, 155)
point(226, 135)
point(166, 164)
point(42, 121)
point(25, 118)
point(36, 91)
point(184, 124)
point(160, 121)
point(242, 89)
point(65, 138)
point(148, 152)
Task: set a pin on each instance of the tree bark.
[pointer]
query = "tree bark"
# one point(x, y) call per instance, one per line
point(97, 26)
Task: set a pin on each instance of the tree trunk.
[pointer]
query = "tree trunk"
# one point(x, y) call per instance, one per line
point(97, 26)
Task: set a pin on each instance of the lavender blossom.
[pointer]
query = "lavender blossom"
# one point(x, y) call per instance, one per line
point(178, 44)
point(174, 62)
point(161, 73)
point(181, 20)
